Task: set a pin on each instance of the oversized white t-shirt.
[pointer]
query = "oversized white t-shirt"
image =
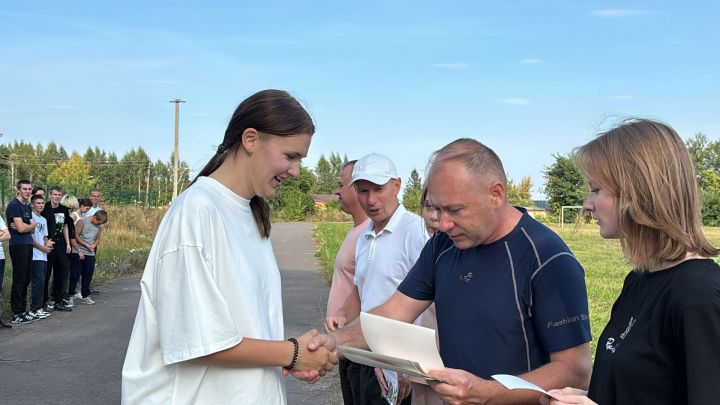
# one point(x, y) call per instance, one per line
point(209, 281)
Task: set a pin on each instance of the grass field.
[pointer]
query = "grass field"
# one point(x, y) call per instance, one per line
point(602, 259)
point(124, 245)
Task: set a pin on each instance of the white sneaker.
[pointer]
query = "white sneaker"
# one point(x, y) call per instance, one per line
point(78, 295)
point(87, 301)
point(39, 314)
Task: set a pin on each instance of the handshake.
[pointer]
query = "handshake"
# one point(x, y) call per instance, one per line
point(316, 355)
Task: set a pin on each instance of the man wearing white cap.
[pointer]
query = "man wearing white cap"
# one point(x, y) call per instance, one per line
point(385, 252)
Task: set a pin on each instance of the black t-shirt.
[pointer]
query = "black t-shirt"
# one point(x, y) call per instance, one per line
point(17, 209)
point(56, 217)
point(662, 344)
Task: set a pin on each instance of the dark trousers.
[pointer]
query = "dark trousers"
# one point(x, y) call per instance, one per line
point(2, 272)
point(58, 267)
point(87, 268)
point(39, 268)
point(349, 381)
point(74, 273)
point(370, 393)
point(21, 258)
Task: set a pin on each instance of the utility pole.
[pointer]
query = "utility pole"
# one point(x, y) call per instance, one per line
point(147, 186)
point(176, 157)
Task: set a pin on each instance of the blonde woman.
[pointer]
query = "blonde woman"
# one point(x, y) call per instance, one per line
point(661, 343)
point(69, 201)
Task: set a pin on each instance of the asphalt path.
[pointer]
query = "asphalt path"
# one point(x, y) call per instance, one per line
point(76, 357)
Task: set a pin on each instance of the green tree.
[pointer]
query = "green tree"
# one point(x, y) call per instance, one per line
point(293, 199)
point(336, 165)
point(706, 157)
point(73, 174)
point(519, 194)
point(326, 183)
point(413, 193)
point(564, 185)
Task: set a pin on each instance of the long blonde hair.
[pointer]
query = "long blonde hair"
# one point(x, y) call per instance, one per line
point(648, 169)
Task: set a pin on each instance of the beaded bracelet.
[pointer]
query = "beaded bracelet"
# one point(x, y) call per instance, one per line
point(296, 352)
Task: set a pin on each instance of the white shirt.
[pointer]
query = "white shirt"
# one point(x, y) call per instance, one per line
point(92, 211)
point(3, 227)
point(209, 281)
point(39, 235)
point(383, 260)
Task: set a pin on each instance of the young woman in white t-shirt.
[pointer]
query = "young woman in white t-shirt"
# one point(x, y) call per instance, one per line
point(209, 324)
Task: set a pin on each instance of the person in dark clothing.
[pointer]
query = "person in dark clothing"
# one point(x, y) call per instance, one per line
point(21, 226)
point(660, 345)
point(59, 222)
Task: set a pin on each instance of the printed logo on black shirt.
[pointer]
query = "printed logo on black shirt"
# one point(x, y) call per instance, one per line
point(611, 346)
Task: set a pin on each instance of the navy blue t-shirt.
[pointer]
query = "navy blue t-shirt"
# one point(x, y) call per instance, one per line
point(503, 307)
point(16, 209)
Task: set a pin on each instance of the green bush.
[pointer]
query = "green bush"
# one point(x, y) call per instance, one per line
point(546, 219)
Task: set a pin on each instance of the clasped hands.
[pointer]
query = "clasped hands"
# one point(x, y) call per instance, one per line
point(317, 355)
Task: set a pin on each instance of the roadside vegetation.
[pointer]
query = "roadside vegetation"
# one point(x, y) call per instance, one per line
point(605, 269)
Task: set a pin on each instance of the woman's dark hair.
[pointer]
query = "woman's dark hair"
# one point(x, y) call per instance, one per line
point(272, 112)
point(85, 202)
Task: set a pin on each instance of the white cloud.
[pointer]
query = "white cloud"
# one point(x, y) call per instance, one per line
point(619, 12)
point(515, 101)
point(456, 66)
point(531, 61)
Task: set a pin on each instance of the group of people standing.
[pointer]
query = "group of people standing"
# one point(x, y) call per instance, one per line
point(55, 239)
point(504, 292)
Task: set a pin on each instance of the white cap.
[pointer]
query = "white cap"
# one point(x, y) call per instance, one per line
point(375, 168)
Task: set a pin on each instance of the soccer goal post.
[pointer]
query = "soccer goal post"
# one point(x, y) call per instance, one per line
point(562, 212)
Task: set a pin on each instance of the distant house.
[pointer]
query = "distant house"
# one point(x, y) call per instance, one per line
point(320, 200)
point(540, 207)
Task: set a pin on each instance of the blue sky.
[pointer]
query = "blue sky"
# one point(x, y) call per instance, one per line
point(527, 78)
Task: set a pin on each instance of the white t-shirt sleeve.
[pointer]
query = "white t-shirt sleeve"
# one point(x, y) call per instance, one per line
point(194, 319)
point(3, 227)
point(414, 245)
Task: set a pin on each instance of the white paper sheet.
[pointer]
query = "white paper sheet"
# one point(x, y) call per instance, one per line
point(512, 382)
point(402, 340)
point(372, 359)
